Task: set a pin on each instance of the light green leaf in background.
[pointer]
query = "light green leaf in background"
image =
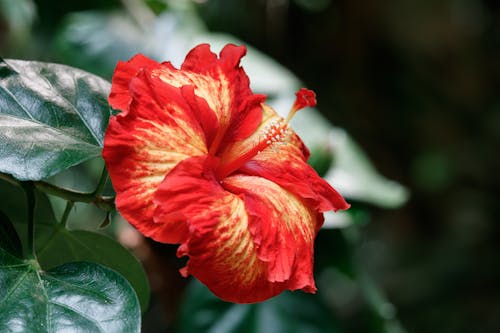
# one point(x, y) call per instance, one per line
point(18, 15)
point(95, 40)
point(290, 312)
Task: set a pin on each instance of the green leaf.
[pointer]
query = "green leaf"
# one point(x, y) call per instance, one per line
point(56, 245)
point(76, 297)
point(290, 312)
point(77, 245)
point(51, 117)
point(95, 40)
point(9, 240)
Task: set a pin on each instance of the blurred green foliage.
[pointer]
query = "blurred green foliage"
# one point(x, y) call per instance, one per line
point(414, 82)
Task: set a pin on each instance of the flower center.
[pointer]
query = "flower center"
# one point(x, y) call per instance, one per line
point(275, 133)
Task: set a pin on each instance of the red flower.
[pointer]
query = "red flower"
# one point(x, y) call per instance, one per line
point(197, 159)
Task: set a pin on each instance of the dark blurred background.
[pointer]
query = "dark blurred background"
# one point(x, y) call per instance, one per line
point(415, 82)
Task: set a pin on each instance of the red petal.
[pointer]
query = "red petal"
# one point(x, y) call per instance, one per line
point(286, 166)
point(283, 227)
point(246, 121)
point(285, 163)
point(223, 84)
point(205, 116)
point(199, 59)
point(187, 190)
point(143, 145)
point(120, 98)
point(229, 250)
point(239, 152)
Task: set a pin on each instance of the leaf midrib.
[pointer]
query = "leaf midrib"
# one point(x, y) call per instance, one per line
point(48, 302)
point(56, 129)
point(64, 306)
point(14, 287)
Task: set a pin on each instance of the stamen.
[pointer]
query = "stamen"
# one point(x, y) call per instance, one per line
point(274, 133)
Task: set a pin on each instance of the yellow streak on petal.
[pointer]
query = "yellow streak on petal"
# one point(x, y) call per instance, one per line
point(228, 249)
point(158, 148)
point(237, 248)
point(284, 206)
point(285, 229)
point(215, 90)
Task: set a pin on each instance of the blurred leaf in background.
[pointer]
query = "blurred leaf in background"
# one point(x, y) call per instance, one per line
point(286, 313)
point(16, 20)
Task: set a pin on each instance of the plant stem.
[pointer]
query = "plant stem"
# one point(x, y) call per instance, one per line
point(9, 179)
point(106, 203)
point(102, 182)
point(67, 210)
point(30, 199)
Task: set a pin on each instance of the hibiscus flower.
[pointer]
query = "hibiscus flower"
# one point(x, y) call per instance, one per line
point(197, 159)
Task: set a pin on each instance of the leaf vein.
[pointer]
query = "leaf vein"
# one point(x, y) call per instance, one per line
point(10, 292)
point(78, 287)
point(55, 129)
point(67, 307)
point(17, 101)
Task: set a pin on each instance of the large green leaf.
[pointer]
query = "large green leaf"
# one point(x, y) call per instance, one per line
point(75, 297)
point(77, 245)
point(56, 245)
point(289, 312)
point(51, 117)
